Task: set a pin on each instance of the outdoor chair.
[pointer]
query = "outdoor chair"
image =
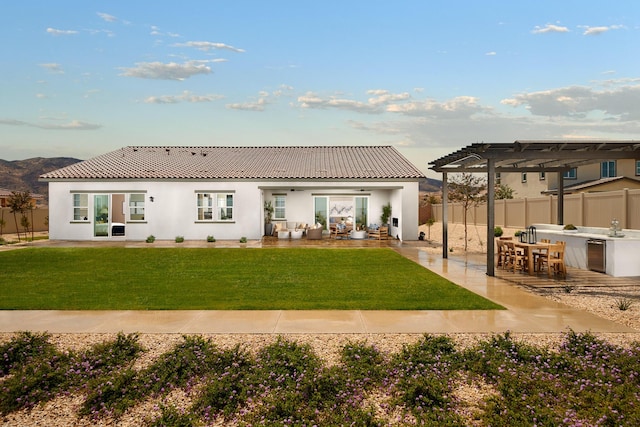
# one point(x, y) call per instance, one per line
point(339, 230)
point(381, 233)
point(554, 260)
point(502, 251)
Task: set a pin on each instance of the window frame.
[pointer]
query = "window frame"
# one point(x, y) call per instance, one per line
point(523, 177)
point(570, 174)
point(606, 169)
point(136, 208)
point(219, 206)
point(637, 167)
point(279, 212)
point(79, 207)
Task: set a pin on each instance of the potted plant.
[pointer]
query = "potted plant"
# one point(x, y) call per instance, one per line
point(570, 228)
point(497, 231)
point(386, 214)
point(268, 215)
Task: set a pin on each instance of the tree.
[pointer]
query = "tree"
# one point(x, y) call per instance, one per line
point(20, 202)
point(469, 190)
point(503, 192)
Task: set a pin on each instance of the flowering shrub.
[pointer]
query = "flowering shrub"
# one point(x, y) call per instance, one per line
point(586, 381)
point(52, 372)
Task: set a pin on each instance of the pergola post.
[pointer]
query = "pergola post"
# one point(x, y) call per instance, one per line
point(491, 203)
point(445, 217)
point(560, 198)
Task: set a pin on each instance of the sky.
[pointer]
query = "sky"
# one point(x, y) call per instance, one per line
point(81, 78)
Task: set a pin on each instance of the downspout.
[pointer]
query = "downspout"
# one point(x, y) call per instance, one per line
point(445, 217)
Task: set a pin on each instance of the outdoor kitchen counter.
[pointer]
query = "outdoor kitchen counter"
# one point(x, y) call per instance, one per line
point(622, 254)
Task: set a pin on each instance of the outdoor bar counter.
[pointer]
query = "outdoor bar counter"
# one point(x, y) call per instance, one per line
point(621, 254)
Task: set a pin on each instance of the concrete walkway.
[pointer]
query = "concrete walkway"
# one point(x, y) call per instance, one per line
point(525, 313)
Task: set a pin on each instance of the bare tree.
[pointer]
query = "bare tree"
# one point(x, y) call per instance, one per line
point(469, 190)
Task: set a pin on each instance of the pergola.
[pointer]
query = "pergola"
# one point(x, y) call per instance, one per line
point(524, 156)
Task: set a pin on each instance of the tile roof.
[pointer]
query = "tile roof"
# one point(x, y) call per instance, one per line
point(168, 162)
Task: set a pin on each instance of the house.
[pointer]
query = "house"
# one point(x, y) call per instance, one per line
point(6, 194)
point(195, 192)
point(607, 175)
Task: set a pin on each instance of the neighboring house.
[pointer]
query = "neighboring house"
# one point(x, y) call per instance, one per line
point(194, 192)
point(5, 195)
point(608, 175)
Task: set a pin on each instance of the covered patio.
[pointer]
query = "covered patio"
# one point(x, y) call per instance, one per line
point(524, 156)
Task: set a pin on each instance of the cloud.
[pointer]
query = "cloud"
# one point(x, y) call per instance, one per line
point(207, 46)
point(384, 101)
point(106, 17)
point(595, 31)
point(72, 125)
point(549, 28)
point(491, 53)
point(258, 105)
point(52, 67)
point(168, 71)
point(619, 103)
point(455, 108)
point(56, 32)
point(186, 96)
point(374, 105)
point(155, 31)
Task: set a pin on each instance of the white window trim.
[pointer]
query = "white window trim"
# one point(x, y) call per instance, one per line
point(215, 209)
point(74, 207)
point(276, 208)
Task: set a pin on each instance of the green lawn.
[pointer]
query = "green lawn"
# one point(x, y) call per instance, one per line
point(224, 279)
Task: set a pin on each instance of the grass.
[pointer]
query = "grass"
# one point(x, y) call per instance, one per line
point(224, 279)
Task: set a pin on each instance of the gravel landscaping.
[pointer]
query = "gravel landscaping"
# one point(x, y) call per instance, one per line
point(63, 409)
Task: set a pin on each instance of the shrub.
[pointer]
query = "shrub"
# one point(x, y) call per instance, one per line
point(624, 303)
point(151, 239)
point(179, 239)
point(497, 231)
point(211, 239)
point(22, 349)
point(243, 240)
point(570, 227)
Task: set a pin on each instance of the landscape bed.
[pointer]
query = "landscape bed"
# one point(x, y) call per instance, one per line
point(111, 278)
point(495, 381)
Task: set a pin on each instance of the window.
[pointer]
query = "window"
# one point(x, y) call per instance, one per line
point(498, 178)
point(214, 207)
point(279, 211)
point(362, 217)
point(80, 207)
point(524, 177)
point(136, 207)
point(608, 169)
point(543, 176)
point(570, 174)
point(637, 167)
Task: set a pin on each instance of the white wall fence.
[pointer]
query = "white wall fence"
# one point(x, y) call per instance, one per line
point(582, 209)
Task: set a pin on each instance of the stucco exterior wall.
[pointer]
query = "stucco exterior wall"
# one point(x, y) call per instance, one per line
point(173, 211)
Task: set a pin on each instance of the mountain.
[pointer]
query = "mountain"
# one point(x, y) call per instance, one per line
point(22, 175)
point(430, 185)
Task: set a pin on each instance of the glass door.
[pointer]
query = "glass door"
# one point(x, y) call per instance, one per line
point(101, 215)
point(320, 210)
